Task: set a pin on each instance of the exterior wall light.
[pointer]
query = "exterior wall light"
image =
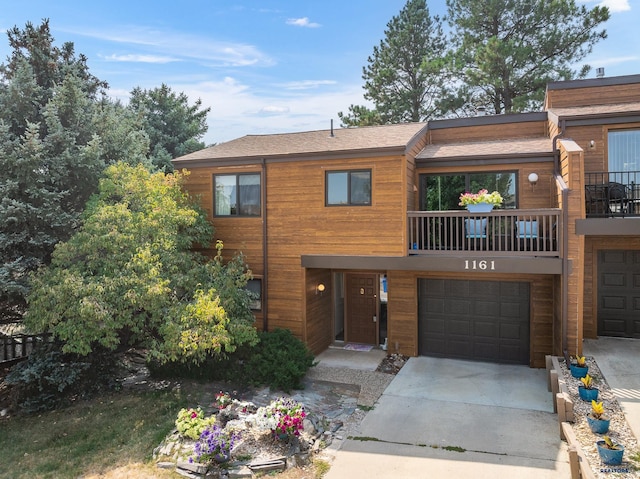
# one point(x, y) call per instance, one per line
point(320, 288)
point(533, 179)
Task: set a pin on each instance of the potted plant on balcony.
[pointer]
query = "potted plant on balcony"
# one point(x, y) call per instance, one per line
point(610, 452)
point(598, 423)
point(587, 391)
point(480, 202)
point(579, 368)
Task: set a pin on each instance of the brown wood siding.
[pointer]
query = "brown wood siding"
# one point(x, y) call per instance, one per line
point(318, 332)
point(593, 244)
point(530, 129)
point(595, 159)
point(294, 187)
point(403, 310)
point(572, 168)
point(573, 97)
point(238, 234)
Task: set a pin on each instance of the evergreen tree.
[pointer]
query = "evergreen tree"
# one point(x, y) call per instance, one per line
point(403, 75)
point(508, 50)
point(52, 112)
point(174, 127)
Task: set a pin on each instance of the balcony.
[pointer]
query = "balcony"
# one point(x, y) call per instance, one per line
point(612, 194)
point(530, 232)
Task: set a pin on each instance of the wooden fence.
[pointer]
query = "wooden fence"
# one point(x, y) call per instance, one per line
point(15, 347)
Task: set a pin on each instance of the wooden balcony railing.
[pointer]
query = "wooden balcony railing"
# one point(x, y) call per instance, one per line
point(532, 232)
point(610, 194)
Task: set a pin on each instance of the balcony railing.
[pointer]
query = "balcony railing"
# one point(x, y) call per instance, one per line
point(532, 232)
point(611, 194)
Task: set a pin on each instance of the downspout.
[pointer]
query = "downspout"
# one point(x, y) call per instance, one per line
point(565, 240)
point(265, 276)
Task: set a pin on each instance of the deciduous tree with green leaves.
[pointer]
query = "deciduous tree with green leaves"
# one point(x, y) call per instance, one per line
point(508, 50)
point(129, 276)
point(174, 127)
point(404, 73)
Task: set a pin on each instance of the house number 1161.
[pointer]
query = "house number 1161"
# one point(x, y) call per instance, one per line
point(483, 264)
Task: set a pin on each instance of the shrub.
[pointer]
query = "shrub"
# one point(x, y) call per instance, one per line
point(49, 378)
point(192, 422)
point(279, 360)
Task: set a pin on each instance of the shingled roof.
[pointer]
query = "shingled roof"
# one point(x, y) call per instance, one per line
point(308, 143)
point(495, 148)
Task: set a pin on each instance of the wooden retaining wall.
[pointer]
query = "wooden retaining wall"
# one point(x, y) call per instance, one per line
point(563, 406)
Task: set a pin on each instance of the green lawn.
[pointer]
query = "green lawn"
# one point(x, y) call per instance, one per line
point(90, 437)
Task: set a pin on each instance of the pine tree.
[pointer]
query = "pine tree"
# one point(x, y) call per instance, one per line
point(403, 75)
point(508, 50)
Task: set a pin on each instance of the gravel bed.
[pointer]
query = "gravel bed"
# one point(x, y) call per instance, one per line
point(619, 430)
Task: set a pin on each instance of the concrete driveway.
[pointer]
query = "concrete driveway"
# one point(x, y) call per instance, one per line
point(444, 418)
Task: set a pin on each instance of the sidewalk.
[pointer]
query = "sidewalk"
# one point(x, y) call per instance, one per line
point(619, 362)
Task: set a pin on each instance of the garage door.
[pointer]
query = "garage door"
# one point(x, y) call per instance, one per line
point(478, 320)
point(619, 293)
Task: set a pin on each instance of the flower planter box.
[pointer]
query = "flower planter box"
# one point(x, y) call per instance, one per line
point(480, 208)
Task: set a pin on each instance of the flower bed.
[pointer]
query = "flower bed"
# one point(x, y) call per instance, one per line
point(619, 430)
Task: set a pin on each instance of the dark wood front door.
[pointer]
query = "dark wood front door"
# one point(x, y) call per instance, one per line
point(362, 307)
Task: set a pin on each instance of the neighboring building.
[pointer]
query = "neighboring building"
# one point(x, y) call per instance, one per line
point(356, 234)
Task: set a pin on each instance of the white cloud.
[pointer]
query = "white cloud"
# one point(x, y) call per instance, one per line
point(273, 110)
point(140, 58)
point(306, 84)
point(238, 110)
point(302, 22)
point(615, 6)
point(610, 61)
point(182, 46)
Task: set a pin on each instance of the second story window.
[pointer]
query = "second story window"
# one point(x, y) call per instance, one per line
point(624, 150)
point(442, 192)
point(237, 195)
point(346, 188)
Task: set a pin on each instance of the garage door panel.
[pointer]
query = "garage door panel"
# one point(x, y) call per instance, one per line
point(436, 326)
point(483, 289)
point(614, 256)
point(614, 302)
point(464, 348)
point(511, 310)
point(481, 320)
point(457, 307)
point(613, 280)
point(486, 308)
point(615, 326)
point(510, 331)
point(485, 329)
point(487, 351)
point(459, 326)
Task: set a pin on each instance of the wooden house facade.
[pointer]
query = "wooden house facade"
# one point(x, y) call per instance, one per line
point(356, 235)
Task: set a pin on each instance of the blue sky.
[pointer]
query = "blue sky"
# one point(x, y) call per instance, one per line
point(263, 66)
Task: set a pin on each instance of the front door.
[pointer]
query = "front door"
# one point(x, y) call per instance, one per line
point(362, 308)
